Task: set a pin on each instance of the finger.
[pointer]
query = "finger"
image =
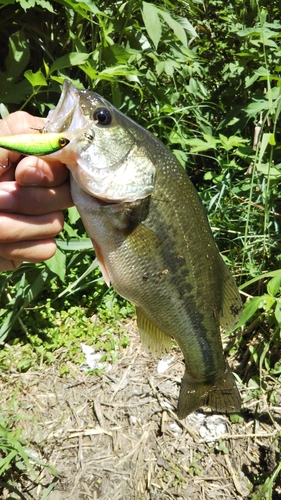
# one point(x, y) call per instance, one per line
point(7, 174)
point(8, 264)
point(7, 164)
point(33, 201)
point(16, 228)
point(13, 254)
point(32, 171)
point(21, 122)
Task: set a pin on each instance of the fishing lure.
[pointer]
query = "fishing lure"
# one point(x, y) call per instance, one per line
point(34, 144)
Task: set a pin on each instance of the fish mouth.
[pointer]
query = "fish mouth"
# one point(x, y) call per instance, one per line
point(67, 115)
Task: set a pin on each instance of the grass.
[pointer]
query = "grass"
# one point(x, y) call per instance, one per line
point(18, 458)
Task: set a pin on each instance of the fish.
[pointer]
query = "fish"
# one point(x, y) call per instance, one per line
point(152, 239)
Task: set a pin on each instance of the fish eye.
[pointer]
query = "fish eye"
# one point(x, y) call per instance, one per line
point(102, 116)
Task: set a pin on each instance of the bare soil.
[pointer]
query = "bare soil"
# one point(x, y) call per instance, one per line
point(118, 437)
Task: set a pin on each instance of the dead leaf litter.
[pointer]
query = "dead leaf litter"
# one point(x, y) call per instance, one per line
point(117, 436)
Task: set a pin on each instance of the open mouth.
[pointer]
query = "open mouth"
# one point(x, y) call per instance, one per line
point(67, 115)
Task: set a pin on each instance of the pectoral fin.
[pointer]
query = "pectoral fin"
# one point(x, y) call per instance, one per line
point(154, 340)
point(101, 262)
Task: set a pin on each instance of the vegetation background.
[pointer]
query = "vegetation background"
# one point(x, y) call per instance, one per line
point(203, 76)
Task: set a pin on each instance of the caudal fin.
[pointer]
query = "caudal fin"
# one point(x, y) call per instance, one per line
point(222, 396)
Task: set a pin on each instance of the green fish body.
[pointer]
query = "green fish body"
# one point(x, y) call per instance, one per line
point(153, 241)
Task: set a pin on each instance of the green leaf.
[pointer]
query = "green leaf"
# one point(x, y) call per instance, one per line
point(73, 215)
point(18, 55)
point(15, 93)
point(236, 418)
point(36, 79)
point(88, 69)
point(120, 70)
point(270, 274)
point(152, 22)
point(269, 170)
point(231, 142)
point(273, 286)
point(115, 54)
point(5, 462)
point(260, 72)
point(69, 60)
point(4, 112)
point(16, 62)
point(116, 94)
point(250, 308)
point(255, 108)
point(24, 295)
point(199, 145)
point(57, 264)
point(169, 66)
point(46, 5)
point(21, 451)
point(75, 245)
point(272, 140)
point(263, 146)
point(84, 6)
point(175, 26)
point(181, 156)
point(74, 286)
point(269, 43)
point(187, 26)
point(27, 4)
point(71, 233)
point(267, 302)
point(81, 8)
point(277, 313)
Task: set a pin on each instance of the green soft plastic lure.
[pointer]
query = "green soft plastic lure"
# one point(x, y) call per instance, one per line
point(34, 144)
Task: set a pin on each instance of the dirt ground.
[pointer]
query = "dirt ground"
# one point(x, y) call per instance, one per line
point(117, 437)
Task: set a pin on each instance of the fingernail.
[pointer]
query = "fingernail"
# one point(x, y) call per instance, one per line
point(31, 176)
point(6, 200)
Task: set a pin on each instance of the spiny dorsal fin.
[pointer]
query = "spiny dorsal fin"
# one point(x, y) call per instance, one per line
point(232, 304)
point(154, 340)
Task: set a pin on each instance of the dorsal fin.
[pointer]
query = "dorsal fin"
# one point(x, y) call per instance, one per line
point(154, 340)
point(232, 304)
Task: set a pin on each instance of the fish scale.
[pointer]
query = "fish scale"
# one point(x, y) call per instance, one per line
point(152, 240)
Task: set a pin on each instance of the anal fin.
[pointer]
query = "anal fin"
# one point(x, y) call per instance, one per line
point(154, 340)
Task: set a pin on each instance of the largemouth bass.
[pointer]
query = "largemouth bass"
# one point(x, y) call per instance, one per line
point(151, 237)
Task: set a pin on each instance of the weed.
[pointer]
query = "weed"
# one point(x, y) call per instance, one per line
point(17, 460)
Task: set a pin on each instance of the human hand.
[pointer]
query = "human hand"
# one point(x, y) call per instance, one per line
point(33, 192)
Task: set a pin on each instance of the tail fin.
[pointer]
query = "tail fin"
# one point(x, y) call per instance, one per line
point(222, 396)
